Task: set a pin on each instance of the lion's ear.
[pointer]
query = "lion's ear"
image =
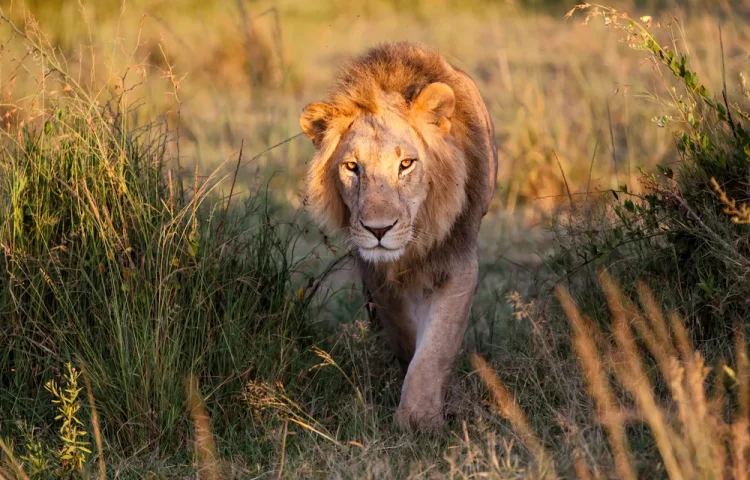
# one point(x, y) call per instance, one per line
point(437, 103)
point(314, 121)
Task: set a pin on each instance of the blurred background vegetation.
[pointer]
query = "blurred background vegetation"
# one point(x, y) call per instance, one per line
point(245, 70)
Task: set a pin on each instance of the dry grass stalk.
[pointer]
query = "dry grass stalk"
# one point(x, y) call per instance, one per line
point(663, 350)
point(691, 433)
point(680, 336)
point(740, 443)
point(743, 374)
point(655, 317)
point(96, 428)
point(581, 468)
point(610, 415)
point(283, 450)
point(204, 440)
point(264, 397)
point(739, 215)
point(12, 461)
point(693, 408)
point(654, 331)
point(631, 370)
point(701, 428)
point(740, 430)
point(716, 404)
point(509, 409)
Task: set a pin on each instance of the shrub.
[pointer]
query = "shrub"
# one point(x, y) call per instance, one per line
point(689, 228)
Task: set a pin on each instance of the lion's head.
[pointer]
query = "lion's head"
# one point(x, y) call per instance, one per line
point(388, 171)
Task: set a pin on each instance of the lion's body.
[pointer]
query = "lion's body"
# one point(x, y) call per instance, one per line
point(421, 275)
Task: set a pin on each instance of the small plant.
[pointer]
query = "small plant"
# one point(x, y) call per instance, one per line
point(35, 457)
point(40, 459)
point(72, 453)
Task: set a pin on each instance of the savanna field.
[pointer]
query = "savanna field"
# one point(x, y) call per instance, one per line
point(169, 310)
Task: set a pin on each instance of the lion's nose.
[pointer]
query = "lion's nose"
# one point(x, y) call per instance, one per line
point(379, 232)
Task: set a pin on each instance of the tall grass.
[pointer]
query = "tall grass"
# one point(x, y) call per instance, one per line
point(107, 264)
point(700, 432)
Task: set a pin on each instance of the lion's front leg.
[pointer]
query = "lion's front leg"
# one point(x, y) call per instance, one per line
point(440, 332)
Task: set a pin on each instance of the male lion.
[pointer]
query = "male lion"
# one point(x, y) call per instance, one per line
point(405, 166)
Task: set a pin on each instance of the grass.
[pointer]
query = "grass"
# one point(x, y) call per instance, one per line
point(209, 339)
point(108, 266)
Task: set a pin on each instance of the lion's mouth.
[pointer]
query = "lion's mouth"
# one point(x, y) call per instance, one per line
point(380, 254)
point(380, 247)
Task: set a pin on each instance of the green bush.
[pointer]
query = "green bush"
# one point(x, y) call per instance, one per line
point(689, 228)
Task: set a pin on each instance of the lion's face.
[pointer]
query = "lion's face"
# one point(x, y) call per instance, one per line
point(381, 170)
point(373, 173)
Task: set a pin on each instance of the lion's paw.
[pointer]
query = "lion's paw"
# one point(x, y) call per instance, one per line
point(420, 416)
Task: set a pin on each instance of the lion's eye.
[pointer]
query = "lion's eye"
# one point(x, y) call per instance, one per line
point(406, 163)
point(352, 166)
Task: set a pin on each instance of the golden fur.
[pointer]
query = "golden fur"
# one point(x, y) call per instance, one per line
point(396, 102)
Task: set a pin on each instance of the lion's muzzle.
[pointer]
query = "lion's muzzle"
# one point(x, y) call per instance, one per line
point(382, 227)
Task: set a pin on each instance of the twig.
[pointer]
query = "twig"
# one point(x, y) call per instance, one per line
point(330, 269)
point(567, 187)
point(714, 236)
point(591, 167)
point(612, 140)
point(272, 147)
point(231, 190)
point(724, 81)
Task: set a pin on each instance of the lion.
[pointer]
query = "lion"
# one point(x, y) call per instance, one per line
point(405, 168)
